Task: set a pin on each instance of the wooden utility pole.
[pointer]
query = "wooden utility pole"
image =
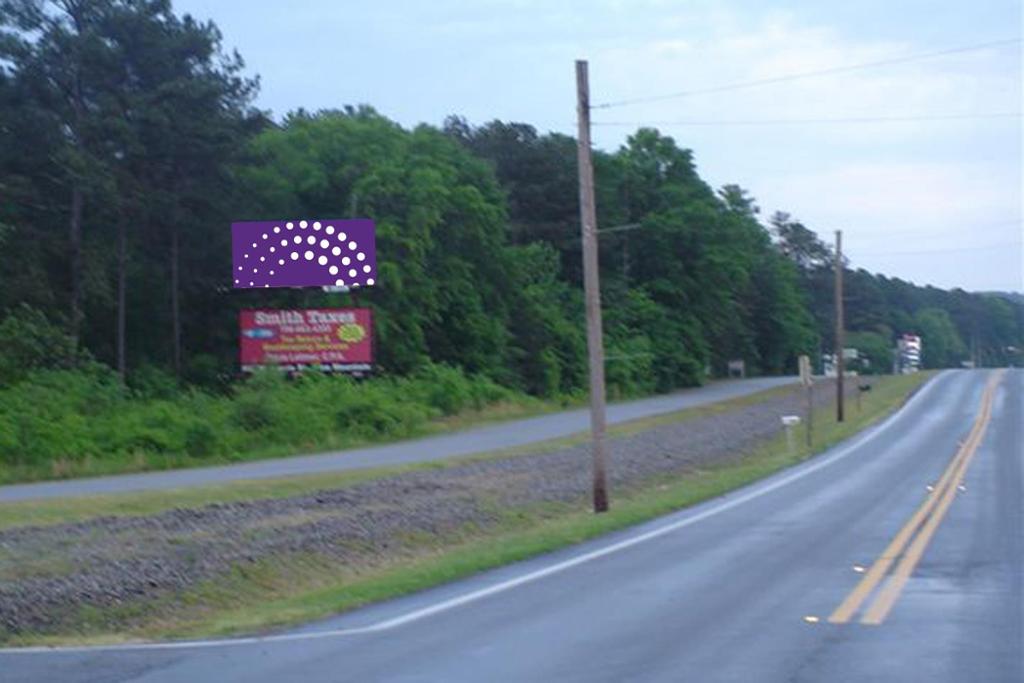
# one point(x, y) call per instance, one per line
point(591, 287)
point(840, 334)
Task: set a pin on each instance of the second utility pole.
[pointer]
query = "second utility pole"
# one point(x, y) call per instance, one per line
point(840, 334)
point(591, 287)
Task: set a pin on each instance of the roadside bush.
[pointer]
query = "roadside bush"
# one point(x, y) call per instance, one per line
point(630, 367)
point(28, 340)
point(74, 415)
point(380, 412)
point(156, 426)
point(450, 391)
point(8, 437)
point(54, 414)
point(254, 403)
point(274, 409)
point(150, 381)
point(207, 371)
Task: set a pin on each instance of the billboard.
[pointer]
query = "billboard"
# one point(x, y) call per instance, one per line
point(332, 339)
point(303, 253)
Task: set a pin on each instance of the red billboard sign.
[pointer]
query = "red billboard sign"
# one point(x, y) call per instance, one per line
point(334, 339)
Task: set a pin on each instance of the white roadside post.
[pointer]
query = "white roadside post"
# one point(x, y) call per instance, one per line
point(790, 421)
point(807, 380)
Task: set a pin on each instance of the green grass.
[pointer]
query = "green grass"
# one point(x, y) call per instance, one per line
point(267, 596)
point(61, 510)
point(141, 461)
point(57, 424)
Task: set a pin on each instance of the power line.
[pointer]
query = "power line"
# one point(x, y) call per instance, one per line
point(949, 250)
point(815, 121)
point(930, 232)
point(924, 233)
point(806, 74)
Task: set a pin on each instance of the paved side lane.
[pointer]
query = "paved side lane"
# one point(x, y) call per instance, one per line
point(477, 440)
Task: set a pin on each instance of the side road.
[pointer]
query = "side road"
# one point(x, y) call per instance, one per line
point(488, 438)
point(133, 572)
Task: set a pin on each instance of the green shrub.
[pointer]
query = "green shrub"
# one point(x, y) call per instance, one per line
point(201, 440)
point(444, 387)
point(56, 414)
point(72, 415)
point(28, 340)
point(450, 391)
point(150, 381)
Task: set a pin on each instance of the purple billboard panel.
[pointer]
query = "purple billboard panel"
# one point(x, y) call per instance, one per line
point(303, 253)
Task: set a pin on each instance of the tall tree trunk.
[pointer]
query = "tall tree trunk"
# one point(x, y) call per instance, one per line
point(122, 266)
point(77, 201)
point(176, 300)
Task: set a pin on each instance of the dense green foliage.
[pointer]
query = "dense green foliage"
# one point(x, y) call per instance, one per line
point(60, 422)
point(129, 143)
point(955, 326)
point(452, 289)
point(696, 280)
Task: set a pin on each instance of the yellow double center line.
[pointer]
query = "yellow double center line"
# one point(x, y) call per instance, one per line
point(923, 523)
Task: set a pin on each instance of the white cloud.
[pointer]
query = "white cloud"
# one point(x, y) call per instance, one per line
point(899, 193)
point(945, 224)
point(934, 180)
point(778, 46)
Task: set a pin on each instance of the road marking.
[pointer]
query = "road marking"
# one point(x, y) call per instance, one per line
point(878, 570)
point(890, 593)
point(926, 519)
point(733, 500)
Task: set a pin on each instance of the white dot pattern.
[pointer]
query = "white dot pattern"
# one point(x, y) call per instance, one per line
point(294, 259)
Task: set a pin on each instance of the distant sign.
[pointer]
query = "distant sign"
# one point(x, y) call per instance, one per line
point(303, 253)
point(332, 339)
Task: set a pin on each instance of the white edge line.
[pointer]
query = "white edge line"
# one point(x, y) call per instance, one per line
point(757, 491)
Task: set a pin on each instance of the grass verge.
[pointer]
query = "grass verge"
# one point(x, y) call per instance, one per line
point(73, 509)
point(517, 408)
point(265, 597)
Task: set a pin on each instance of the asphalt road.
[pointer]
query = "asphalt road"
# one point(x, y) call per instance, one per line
point(477, 440)
point(738, 589)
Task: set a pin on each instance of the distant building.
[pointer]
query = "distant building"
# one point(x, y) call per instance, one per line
point(908, 354)
point(851, 360)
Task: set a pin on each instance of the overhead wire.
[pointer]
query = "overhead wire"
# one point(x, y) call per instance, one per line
point(785, 78)
point(806, 74)
point(814, 121)
point(947, 250)
point(926, 232)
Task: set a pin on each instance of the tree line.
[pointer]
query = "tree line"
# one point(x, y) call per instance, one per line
point(131, 141)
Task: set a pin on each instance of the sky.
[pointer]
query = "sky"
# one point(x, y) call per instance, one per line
point(934, 200)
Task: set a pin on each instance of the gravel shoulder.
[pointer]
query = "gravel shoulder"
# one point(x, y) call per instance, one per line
point(50, 576)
